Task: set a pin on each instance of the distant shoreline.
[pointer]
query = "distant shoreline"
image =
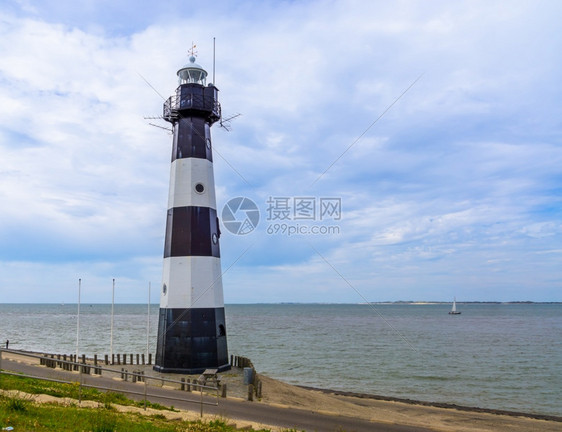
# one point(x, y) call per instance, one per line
point(397, 302)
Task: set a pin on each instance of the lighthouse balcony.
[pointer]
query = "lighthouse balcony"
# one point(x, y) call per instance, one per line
point(191, 103)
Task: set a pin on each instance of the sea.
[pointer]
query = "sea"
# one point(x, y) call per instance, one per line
point(498, 356)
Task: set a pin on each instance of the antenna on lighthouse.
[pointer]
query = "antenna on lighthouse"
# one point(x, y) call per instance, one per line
point(192, 51)
point(214, 81)
point(225, 122)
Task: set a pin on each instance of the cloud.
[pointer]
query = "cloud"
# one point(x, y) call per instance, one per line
point(456, 186)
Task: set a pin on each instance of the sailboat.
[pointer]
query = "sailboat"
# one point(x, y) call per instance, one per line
point(453, 311)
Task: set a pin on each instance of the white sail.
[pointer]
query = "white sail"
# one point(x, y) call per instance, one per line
point(454, 309)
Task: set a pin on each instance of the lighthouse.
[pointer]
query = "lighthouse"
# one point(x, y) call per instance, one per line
point(191, 322)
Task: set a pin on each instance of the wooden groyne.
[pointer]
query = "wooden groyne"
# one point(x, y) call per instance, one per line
point(116, 359)
point(254, 384)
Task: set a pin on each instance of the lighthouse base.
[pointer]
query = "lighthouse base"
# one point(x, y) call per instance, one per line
point(191, 340)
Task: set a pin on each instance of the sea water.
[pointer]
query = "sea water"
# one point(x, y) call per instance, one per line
point(499, 356)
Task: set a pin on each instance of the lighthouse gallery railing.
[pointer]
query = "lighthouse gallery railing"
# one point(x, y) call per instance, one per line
point(199, 102)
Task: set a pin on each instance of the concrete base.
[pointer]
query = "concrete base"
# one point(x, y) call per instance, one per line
point(161, 369)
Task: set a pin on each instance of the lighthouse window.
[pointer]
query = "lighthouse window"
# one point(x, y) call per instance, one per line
point(199, 188)
point(208, 141)
point(164, 288)
point(215, 238)
point(222, 330)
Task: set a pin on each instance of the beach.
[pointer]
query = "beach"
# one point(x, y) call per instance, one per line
point(439, 419)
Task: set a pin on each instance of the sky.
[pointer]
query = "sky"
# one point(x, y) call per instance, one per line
point(405, 150)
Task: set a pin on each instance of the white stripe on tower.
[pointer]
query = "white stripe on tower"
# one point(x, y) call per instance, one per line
point(184, 177)
point(205, 281)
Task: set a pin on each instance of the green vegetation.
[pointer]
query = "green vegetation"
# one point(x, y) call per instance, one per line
point(35, 386)
point(23, 414)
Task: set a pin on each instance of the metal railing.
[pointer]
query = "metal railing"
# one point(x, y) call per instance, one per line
point(86, 368)
point(191, 101)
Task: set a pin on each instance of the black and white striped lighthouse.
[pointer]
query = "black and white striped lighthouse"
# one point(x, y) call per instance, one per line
point(191, 324)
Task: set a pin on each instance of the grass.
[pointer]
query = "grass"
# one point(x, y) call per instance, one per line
point(51, 417)
point(24, 415)
point(35, 386)
point(28, 416)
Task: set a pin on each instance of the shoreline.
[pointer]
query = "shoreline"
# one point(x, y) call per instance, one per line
point(382, 398)
point(380, 409)
point(444, 405)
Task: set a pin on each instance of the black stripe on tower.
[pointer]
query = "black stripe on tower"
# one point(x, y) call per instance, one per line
point(192, 231)
point(194, 340)
point(192, 138)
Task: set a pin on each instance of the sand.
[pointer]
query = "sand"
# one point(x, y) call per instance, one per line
point(439, 419)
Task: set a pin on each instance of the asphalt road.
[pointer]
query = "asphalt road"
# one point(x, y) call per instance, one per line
point(232, 409)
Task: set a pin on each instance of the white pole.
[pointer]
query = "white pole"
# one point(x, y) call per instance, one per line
point(148, 324)
point(111, 333)
point(78, 320)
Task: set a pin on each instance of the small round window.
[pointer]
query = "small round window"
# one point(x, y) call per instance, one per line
point(199, 188)
point(215, 238)
point(208, 141)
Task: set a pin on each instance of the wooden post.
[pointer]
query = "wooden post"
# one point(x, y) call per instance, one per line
point(258, 392)
point(250, 392)
point(188, 386)
point(130, 359)
point(149, 358)
point(118, 359)
point(95, 359)
point(182, 387)
point(143, 358)
point(223, 391)
point(106, 358)
point(138, 359)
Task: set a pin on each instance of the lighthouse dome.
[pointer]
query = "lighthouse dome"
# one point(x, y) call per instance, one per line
point(192, 73)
